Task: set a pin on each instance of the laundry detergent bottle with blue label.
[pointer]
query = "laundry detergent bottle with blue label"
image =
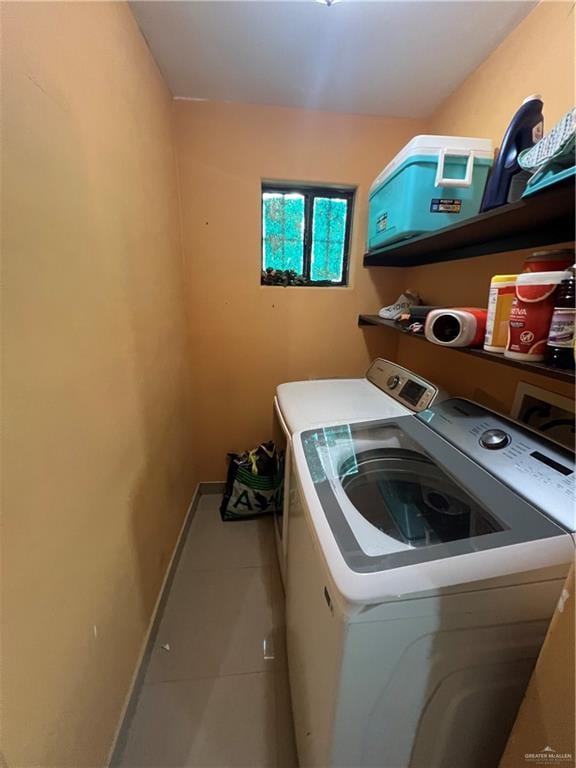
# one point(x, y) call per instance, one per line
point(508, 180)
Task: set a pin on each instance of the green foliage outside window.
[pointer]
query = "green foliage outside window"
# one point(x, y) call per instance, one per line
point(305, 235)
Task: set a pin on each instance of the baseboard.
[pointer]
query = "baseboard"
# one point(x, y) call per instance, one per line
point(216, 487)
point(129, 708)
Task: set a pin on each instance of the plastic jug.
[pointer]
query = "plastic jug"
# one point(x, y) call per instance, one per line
point(507, 180)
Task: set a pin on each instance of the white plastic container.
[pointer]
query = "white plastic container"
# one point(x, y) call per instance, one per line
point(531, 315)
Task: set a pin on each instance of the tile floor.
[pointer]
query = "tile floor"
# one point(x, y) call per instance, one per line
point(218, 698)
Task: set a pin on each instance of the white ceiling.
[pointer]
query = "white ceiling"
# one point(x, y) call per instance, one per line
point(395, 58)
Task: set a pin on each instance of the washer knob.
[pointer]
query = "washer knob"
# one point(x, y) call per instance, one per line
point(393, 382)
point(493, 439)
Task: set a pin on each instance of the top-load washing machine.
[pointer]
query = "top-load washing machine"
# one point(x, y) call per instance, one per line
point(387, 390)
point(431, 549)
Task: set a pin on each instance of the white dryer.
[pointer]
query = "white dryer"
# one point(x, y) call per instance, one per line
point(427, 554)
point(387, 390)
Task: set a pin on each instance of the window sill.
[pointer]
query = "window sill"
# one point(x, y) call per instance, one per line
point(305, 285)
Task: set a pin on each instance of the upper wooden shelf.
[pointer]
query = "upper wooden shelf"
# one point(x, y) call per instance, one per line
point(544, 219)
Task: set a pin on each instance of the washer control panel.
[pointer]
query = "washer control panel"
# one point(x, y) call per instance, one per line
point(537, 469)
point(401, 384)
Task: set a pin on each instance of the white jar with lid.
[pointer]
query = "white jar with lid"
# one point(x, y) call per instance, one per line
point(531, 315)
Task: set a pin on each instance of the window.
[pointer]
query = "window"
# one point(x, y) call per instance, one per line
point(306, 232)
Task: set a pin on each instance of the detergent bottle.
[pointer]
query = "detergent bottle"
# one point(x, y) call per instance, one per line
point(508, 180)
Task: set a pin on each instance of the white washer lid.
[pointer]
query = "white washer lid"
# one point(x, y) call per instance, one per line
point(306, 404)
point(431, 145)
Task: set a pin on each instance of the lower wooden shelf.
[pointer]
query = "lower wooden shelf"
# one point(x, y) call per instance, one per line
point(540, 368)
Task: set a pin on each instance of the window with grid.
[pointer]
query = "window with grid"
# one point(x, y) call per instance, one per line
point(306, 231)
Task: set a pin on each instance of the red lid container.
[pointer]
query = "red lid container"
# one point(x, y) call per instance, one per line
point(549, 261)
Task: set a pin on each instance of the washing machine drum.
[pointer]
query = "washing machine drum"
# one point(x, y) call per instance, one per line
point(405, 495)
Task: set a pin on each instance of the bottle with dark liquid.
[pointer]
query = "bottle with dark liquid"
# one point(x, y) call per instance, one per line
point(561, 336)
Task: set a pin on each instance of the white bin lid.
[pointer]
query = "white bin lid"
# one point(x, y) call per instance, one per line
point(431, 145)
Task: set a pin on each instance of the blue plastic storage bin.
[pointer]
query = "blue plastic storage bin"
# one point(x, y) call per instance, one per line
point(433, 182)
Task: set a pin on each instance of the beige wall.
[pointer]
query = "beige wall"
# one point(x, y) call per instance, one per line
point(537, 57)
point(248, 338)
point(547, 715)
point(97, 437)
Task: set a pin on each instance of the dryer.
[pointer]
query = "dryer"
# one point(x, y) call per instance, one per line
point(431, 551)
point(386, 390)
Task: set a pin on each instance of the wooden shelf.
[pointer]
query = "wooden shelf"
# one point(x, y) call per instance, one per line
point(545, 219)
point(543, 370)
